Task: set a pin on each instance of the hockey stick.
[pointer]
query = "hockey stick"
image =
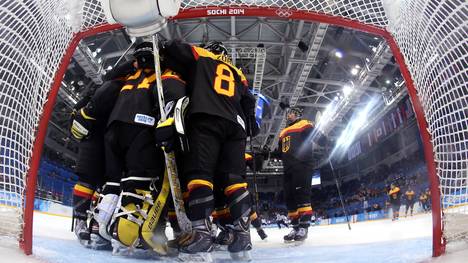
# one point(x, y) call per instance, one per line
point(339, 194)
point(184, 223)
point(123, 55)
point(254, 168)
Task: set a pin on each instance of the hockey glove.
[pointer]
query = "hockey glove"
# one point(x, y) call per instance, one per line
point(121, 71)
point(81, 125)
point(165, 135)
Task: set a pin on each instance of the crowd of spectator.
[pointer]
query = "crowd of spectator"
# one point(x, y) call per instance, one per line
point(364, 194)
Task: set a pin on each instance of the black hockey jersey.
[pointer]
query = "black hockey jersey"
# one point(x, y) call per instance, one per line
point(137, 102)
point(295, 143)
point(215, 86)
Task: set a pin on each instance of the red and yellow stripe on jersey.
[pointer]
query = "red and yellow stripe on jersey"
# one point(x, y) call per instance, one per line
point(83, 191)
point(201, 52)
point(232, 188)
point(169, 74)
point(394, 191)
point(409, 195)
point(306, 210)
point(296, 127)
point(199, 183)
point(248, 157)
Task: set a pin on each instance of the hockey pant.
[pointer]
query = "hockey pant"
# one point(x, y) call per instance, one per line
point(215, 160)
point(297, 194)
point(90, 171)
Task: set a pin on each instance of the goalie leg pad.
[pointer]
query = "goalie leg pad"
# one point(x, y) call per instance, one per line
point(103, 213)
point(136, 200)
point(138, 221)
point(127, 227)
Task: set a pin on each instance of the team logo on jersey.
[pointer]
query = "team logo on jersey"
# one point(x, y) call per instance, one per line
point(286, 144)
point(144, 119)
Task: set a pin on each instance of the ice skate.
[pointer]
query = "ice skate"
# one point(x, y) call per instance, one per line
point(82, 232)
point(301, 236)
point(241, 244)
point(196, 246)
point(289, 238)
point(98, 242)
point(224, 238)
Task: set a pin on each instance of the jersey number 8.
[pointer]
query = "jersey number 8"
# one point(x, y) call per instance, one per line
point(224, 74)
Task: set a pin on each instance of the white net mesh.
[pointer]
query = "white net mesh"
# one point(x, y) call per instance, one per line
point(431, 34)
point(433, 41)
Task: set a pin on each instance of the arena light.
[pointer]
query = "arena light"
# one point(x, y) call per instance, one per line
point(326, 117)
point(354, 71)
point(354, 126)
point(338, 54)
point(348, 89)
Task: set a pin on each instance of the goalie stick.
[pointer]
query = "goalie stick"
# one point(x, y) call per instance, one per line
point(184, 223)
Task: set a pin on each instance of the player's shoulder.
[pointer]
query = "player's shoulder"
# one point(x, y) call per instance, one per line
point(170, 74)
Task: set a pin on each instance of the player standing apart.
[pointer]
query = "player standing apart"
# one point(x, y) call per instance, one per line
point(295, 147)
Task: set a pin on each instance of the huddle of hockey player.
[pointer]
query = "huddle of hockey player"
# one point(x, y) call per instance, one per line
point(123, 198)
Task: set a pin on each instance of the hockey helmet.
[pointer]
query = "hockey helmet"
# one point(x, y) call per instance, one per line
point(217, 48)
point(296, 111)
point(143, 53)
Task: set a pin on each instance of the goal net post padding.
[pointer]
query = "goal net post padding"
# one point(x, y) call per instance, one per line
point(427, 38)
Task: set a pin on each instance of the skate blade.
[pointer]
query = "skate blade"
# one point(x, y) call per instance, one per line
point(218, 247)
point(298, 243)
point(241, 256)
point(294, 243)
point(198, 257)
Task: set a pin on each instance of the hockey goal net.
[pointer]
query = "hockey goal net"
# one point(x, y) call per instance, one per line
point(427, 37)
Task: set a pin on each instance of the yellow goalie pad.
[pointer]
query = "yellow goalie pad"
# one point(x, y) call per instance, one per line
point(127, 231)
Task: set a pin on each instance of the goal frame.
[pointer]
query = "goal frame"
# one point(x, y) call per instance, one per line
point(438, 242)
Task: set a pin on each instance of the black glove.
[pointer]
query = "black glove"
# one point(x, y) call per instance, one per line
point(121, 71)
point(165, 135)
point(81, 124)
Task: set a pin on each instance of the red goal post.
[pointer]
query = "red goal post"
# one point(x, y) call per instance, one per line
point(419, 33)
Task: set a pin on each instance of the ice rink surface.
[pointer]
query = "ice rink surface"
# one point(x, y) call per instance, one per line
point(406, 240)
